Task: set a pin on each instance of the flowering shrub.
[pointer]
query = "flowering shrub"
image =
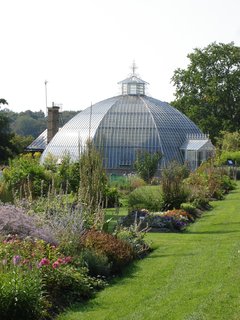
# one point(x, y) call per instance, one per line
point(207, 183)
point(118, 252)
point(36, 277)
point(179, 219)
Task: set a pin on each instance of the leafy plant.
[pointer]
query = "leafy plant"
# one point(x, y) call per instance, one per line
point(173, 190)
point(146, 164)
point(136, 238)
point(119, 253)
point(96, 262)
point(148, 197)
point(21, 294)
point(26, 177)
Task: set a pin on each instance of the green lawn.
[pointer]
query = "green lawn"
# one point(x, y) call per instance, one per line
point(190, 276)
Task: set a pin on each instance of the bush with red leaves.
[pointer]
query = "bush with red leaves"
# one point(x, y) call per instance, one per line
point(118, 252)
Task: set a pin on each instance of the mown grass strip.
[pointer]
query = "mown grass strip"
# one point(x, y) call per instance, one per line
point(189, 276)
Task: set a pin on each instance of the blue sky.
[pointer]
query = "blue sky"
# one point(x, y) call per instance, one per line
point(83, 48)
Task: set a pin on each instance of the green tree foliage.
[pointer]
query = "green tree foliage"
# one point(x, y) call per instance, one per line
point(146, 164)
point(229, 141)
point(25, 125)
point(25, 176)
point(29, 123)
point(65, 175)
point(228, 148)
point(207, 91)
point(19, 143)
point(65, 116)
point(5, 135)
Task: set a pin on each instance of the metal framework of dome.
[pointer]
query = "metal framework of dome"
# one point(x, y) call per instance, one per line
point(121, 126)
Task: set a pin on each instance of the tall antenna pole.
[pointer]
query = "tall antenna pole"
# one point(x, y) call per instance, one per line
point(46, 93)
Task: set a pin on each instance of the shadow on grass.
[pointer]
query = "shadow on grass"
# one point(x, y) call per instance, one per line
point(88, 305)
point(171, 255)
point(225, 223)
point(211, 232)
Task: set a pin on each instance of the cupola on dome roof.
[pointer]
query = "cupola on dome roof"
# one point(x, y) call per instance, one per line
point(123, 125)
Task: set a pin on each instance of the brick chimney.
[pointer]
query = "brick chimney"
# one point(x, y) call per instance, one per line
point(53, 122)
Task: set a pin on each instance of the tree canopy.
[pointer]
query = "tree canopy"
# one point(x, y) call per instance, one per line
point(29, 123)
point(17, 130)
point(5, 135)
point(207, 91)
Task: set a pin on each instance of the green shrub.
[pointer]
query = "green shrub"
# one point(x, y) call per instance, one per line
point(189, 208)
point(207, 183)
point(26, 177)
point(135, 182)
point(97, 263)
point(112, 196)
point(21, 294)
point(198, 195)
point(173, 189)
point(135, 238)
point(148, 197)
point(6, 195)
point(33, 272)
point(67, 283)
point(233, 155)
point(227, 184)
point(119, 253)
point(146, 164)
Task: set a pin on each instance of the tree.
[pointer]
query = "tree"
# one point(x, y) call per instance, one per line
point(5, 135)
point(146, 164)
point(229, 141)
point(207, 91)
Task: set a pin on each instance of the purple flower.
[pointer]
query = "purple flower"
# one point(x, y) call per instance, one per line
point(16, 260)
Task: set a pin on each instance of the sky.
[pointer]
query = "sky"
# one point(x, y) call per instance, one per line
point(83, 48)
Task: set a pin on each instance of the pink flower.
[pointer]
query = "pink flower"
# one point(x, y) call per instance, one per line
point(67, 260)
point(43, 262)
point(56, 264)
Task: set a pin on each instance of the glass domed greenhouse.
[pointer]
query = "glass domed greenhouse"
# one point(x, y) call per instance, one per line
point(123, 125)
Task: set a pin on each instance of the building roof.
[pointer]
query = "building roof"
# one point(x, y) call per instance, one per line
point(122, 125)
point(197, 144)
point(132, 79)
point(39, 144)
